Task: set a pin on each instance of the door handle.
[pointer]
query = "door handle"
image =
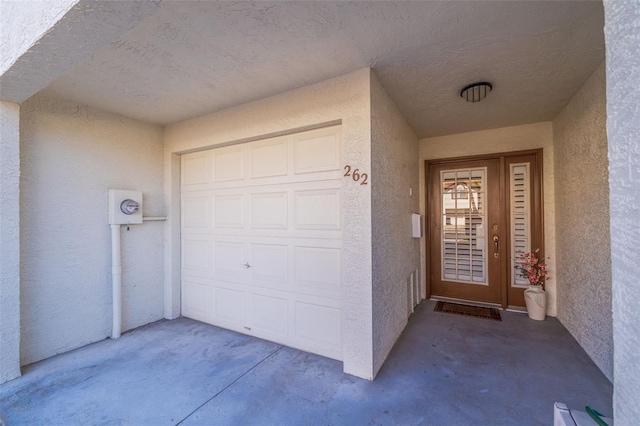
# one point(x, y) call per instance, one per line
point(496, 242)
point(246, 265)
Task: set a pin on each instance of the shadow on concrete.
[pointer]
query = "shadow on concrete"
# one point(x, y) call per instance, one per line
point(444, 370)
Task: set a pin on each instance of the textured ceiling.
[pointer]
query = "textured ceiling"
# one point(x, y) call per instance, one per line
point(192, 58)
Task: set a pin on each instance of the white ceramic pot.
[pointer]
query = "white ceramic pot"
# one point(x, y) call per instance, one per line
point(536, 300)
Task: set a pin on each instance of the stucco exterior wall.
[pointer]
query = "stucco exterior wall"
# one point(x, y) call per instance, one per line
point(23, 22)
point(505, 139)
point(9, 241)
point(394, 153)
point(582, 221)
point(622, 35)
point(42, 40)
point(343, 99)
point(70, 156)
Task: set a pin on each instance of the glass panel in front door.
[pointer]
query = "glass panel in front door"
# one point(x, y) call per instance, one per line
point(520, 217)
point(463, 242)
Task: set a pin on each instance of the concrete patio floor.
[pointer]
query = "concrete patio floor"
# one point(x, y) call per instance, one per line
point(444, 370)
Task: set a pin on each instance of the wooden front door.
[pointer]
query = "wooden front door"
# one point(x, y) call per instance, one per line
point(481, 214)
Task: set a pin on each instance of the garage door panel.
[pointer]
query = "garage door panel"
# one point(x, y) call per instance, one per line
point(269, 158)
point(196, 168)
point(229, 259)
point(269, 265)
point(228, 211)
point(316, 151)
point(318, 271)
point(228, 164)
point(257, 184)
point(291, 187)
point(317, 209)
point(269, 210)
point(269, 315)
point(318, 325)
point(197, 300)
point(230, 306)
point(196, 211)
point(197, 256)
point(263, 234)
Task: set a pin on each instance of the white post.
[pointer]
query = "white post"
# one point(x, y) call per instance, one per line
point(116, 279)
point(9, 241)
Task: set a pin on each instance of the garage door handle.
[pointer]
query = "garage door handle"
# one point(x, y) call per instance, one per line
point(246, 265)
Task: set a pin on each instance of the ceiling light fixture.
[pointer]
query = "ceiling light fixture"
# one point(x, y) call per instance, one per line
point(476, 92)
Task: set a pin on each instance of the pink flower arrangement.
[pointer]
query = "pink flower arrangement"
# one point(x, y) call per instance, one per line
point(529, 266)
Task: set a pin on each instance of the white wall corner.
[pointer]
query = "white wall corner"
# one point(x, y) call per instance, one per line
point(172, 235)
point(622, 37)
point(395, 253)
point(9, 241)
point(581, 185)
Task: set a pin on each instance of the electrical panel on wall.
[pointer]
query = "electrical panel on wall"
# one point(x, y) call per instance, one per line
point(125, 207)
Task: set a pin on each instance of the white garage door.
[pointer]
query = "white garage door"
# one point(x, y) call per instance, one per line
point(262, 239)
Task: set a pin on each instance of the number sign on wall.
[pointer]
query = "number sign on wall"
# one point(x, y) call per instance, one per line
point(356, 175)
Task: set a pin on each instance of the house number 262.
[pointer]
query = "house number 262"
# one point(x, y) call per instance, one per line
point(356, 175)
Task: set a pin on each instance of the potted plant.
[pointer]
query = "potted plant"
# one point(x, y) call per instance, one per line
point(530, 268)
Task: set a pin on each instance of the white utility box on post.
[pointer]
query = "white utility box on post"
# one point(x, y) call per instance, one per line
point(125, 207)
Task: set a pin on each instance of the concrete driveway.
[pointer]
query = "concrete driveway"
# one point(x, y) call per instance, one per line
point(444, 370)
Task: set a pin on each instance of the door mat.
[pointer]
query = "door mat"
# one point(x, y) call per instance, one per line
point(472, 311)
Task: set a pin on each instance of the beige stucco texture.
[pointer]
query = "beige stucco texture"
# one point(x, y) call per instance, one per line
point(394, 148)
point(9, 241)
point(70, 156)
point(622, 32)
point(582, 221)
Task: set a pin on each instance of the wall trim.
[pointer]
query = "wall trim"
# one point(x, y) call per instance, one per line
point(286, 132)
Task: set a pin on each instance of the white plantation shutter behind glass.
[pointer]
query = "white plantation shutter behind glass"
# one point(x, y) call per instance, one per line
point(464, 245)
point(520, 209)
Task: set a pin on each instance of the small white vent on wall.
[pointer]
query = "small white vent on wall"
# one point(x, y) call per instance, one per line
point(413, 292)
